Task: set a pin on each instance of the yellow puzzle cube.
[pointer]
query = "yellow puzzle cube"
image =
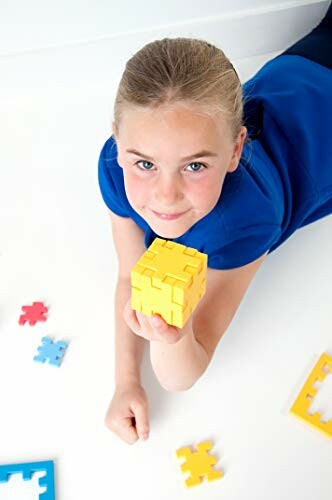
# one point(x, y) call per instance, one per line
point(170, 280)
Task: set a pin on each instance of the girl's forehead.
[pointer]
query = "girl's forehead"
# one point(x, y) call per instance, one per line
point(168, 112)
point(179, 124)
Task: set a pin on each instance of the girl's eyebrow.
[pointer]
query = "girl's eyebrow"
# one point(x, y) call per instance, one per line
point(200, 154)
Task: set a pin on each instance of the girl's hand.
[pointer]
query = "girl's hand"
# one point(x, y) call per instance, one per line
point(154, 327)
point(127, 415)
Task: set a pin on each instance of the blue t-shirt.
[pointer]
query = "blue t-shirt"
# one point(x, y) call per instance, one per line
point(283, 180)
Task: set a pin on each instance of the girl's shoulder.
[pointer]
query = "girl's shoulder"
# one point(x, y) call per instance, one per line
point(286, 72)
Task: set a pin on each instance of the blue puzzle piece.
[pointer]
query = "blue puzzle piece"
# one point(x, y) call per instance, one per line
point(27, 470)
point(54, 352)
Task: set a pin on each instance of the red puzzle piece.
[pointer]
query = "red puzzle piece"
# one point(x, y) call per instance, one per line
point(33, 313)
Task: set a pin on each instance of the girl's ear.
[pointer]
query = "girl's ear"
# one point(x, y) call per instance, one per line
point(114, 130)
point(238, 150)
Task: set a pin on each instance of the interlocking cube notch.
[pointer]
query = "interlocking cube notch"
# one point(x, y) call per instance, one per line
point(302, 403)
point(170, 280)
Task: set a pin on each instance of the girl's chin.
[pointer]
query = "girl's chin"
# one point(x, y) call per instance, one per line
point(168, 233)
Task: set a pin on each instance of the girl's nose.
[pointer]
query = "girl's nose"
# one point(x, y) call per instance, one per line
point(168, 191)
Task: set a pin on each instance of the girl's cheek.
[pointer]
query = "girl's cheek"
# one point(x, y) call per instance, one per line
point(207, 193)
point(205, 187)
point(135, 189)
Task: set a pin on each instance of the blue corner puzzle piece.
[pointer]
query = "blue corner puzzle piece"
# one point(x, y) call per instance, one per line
point(53, 352)
point(27, 470)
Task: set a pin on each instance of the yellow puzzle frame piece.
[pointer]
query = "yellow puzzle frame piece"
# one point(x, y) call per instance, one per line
point(303, 401)
point(169, 279)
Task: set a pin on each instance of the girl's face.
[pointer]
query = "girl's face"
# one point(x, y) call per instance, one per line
point(174, 163)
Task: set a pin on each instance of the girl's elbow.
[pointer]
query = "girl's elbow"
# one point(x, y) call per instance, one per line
point(177, 384)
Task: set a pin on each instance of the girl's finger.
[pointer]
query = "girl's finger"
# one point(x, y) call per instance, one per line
point(164, 331)
point(131, 319)
point(142, 421)
point(145, 326)
point(127, 431)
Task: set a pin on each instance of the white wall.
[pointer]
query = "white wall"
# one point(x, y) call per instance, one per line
point(254, 31)
point(30, 25)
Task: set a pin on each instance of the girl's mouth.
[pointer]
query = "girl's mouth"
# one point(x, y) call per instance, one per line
point(168, 216)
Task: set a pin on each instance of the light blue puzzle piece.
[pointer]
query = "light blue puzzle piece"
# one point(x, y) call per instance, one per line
point(27, 470)
point(53, 352)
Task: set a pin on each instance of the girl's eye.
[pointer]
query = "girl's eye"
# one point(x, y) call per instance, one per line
point(144, 161)
point(197, 169)
point(149, 166)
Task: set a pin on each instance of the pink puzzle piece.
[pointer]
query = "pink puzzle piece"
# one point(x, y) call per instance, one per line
point(33, 313)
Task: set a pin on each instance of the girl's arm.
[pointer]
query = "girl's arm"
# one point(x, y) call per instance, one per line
point(129, 348)
point(129, 244)
point(179, 365)
point(225, 291)
point(127, 415)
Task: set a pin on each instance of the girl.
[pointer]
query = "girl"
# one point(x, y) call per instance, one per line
point(227, 169)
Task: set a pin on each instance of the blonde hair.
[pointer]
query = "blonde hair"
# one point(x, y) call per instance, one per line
point(181, 70)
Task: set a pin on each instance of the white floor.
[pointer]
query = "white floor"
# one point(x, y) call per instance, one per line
point(56, 246)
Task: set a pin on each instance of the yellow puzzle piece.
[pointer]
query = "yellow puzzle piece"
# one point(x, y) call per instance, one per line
point(301, 405)
point(199, 464)
point(169, 279)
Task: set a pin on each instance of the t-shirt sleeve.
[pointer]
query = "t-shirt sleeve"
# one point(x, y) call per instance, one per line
point(110, 178)
point(247, 247)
